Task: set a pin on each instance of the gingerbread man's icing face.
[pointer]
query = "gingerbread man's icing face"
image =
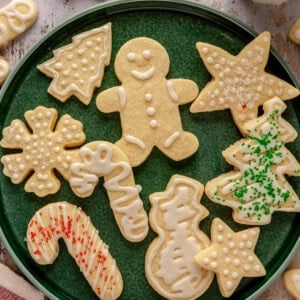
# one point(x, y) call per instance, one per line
point(141, 59)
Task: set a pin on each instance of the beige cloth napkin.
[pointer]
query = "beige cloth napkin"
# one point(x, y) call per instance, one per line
point(15, 287)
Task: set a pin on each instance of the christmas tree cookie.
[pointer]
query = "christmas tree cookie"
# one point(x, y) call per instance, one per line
point(231, 256)
point(169, 265)
point(258, 187)
point(240, 82)
point(78, 68)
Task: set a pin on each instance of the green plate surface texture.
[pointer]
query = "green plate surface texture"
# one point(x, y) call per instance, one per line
point(177, 26)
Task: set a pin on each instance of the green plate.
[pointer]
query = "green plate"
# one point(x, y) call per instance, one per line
point(177, 26)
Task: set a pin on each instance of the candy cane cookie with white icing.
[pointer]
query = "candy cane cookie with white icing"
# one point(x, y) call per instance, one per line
point(103, 159)
point(69, 222)
point(169, 264)
point(15, 18)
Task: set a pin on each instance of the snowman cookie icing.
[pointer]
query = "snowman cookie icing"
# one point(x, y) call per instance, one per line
point(175, 215)
point(148, 103)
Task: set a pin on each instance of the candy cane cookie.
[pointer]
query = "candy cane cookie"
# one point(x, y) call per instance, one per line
point(98, 159)
point(67, 221)
point(15, 18)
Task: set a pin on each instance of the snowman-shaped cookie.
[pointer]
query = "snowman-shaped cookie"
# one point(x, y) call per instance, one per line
point(148, 103)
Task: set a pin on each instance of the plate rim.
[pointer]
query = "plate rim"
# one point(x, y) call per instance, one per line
point(114, 7)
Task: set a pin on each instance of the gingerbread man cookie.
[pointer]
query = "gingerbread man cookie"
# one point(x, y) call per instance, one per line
point(148, 103)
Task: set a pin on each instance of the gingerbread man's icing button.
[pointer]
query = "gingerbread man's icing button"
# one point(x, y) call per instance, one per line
point(142, 65)
point(148, 97)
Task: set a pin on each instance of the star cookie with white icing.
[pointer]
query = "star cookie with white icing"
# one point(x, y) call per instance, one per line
point(231, 256)
point(240, 82)
point(78, 68)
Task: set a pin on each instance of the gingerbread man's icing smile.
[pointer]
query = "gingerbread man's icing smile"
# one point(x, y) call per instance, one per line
point(148, 103)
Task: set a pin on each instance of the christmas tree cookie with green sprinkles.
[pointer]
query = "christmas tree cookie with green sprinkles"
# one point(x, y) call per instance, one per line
point(258, 187)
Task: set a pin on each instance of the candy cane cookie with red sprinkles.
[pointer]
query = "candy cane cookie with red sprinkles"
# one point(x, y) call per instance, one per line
point(67, 221)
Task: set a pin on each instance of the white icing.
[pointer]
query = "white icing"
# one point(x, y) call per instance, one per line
point(12, 13)
point(134, 140)
point(172, 91)
point(171, 139)
point(122, 97)
point(143, 75)
point(153, 123)
point(99, 163)
point(131, 57)
point(146, 54)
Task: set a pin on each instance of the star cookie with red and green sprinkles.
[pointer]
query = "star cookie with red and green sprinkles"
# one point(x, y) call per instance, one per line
point(231, 256)
point(240, 82)
point(257, 186)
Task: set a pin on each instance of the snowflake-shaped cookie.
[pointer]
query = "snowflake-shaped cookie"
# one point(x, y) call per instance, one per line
point(43, 150)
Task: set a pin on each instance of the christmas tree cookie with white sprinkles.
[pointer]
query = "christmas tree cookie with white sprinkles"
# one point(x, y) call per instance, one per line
point(240, 82)
point(231, 256)
point(78, 68)
point(258, 187)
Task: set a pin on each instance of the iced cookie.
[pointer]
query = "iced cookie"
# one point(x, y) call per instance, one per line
point(258, 187)
point(102, 159)
point(148, 103)
point(66, 221)
point(291, 281)
point(231, 256)
point(15, 18)
point(240, 82)
point(169, 265)
point(78, 68)
point(43, 150)
point(4, 70)
point(294, 33)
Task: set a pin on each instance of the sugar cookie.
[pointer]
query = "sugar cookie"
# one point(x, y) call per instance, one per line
point(15, 18)
point(294, 33)
point(43, 150)
point(4, 70)
point(66, 221)
point(98, 159)
point(148, 103)
point(78, 68)
point(231, 256)
point(291, 281)
point(258, 187)
point(169, 265)
point(240, 82)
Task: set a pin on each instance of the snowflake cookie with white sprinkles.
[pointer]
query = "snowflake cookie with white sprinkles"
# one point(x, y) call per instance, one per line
point(240, 82)
point(43, 150)
point(231, 256)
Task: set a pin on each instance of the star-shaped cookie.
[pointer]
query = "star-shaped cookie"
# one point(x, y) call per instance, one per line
point(231, 256)
point(240, 82)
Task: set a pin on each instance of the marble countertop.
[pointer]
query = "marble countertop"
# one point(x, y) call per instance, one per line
point(276, 19)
